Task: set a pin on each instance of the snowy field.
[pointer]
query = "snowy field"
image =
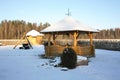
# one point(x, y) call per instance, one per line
point(16, 64)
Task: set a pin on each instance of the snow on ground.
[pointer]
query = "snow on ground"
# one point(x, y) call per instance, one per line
point(16, 64)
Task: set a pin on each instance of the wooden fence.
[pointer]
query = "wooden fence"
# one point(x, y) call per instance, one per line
point(110, 44)
point(54, 50)
point(9, 41)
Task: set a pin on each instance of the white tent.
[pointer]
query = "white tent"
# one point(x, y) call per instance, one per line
point(34, 37)
point(33, 33)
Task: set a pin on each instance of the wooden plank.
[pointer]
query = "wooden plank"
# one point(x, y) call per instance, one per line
point(29, 42)
point(20, 40)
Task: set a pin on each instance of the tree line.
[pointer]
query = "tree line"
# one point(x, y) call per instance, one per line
point(104, 34)
point(16, 28)
point(108, 34)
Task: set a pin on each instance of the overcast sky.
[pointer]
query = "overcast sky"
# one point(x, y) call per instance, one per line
point(100, 14)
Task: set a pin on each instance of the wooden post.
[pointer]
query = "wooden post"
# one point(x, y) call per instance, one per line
point(29, 42)
point(71, 36)
point(54, 43)
point(92, 54)
point(48, 47)
point(91, 41)
point(49, 39)
point(75, 39)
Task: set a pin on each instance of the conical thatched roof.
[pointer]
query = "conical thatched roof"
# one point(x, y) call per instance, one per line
point(68, 24)
point(33, 33)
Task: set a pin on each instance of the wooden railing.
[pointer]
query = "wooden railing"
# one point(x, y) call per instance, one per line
point(54, 50)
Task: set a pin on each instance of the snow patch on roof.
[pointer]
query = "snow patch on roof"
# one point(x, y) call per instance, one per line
point(33, 33)
point(68, 24)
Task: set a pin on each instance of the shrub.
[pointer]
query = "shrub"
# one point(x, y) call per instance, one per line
point(68, 58)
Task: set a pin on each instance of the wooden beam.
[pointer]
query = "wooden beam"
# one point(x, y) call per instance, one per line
point(28, 42)
point(23, 37)
point(91, 37)
point(71, 35)
point(92, 54)
point(47, 48)
point(54, 37)
point(49, 39)
point(75, 34)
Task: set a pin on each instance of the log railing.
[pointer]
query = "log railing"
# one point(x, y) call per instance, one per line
point(54, 50)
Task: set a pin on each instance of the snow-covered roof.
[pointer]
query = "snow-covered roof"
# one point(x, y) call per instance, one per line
point(68, 24)
point(33, 33)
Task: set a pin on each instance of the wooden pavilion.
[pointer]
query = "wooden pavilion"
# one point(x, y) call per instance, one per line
point(72, 27)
